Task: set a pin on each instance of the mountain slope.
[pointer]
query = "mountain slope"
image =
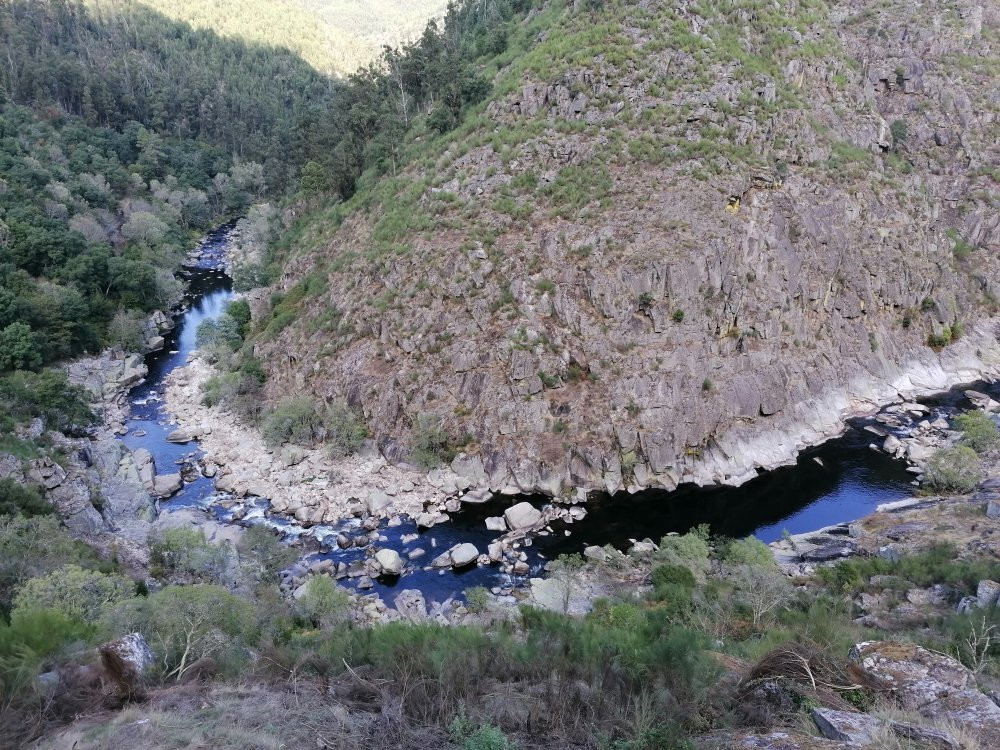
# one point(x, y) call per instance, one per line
point(681, 241)
point(116, 61)
point(335, 36)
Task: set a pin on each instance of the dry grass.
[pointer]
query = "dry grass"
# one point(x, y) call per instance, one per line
point(240, 717)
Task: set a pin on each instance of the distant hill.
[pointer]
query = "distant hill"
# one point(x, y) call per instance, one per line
point(335, 36)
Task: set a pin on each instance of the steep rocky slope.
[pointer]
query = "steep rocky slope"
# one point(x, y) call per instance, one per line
point(681, 242)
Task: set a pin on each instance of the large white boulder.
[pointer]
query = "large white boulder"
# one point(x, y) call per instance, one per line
point(522, 516)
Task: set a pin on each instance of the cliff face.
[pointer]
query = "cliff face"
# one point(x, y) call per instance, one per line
point(680, 243)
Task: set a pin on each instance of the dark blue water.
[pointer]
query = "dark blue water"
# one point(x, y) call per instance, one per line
point(840, 481)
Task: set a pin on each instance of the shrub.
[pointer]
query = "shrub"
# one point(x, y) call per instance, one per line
point(345, 429)
point(432, 445)
point(936, 564)
point(678, 316)
point(979, 431)
point(263, 555)
point(239, 310)
point(125, 330)
point(21, 500)
point(672, 574)
point(325, 603)
point(34, 547)
point(79, 594)
point(185, 624)
point(898, 131)
point(954, 470)
point(690, 550)
point(940, 339)
point(478, 599)
point(748, 551)
point(187, 554)
point(293, 420)
point(19, 348)
point(46, 394)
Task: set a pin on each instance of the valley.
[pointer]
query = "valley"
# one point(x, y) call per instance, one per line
point(499, 374)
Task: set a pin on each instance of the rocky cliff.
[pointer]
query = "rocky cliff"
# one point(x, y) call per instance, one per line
point(680, 243)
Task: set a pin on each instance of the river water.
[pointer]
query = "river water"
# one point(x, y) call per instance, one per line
point(838, 482)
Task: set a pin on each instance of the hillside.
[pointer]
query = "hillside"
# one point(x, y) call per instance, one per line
point(117, 61)
point(677, 242)
point(335, 36)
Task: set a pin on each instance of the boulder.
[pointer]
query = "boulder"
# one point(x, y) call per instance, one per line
point(180, 436)
point(463, 554)
point(126, 661)
point(377, 502)
point(987, 594)
point(846, 726)
point(936, 686)
point(389, 561)
point(410, 603)
point(166, 485)
point(495, 551)
point(496, 523)
point(595, 553)
point(478, 496)
point(993, 508)
point(442, 561)
point(522, 516)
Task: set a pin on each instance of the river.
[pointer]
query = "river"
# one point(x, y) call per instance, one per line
point(838, 482)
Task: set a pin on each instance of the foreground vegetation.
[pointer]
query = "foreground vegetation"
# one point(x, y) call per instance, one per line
point(641, 670)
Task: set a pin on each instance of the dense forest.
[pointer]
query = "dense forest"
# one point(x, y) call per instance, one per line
point(439, 75)
point(116, 62)
point(92, 223)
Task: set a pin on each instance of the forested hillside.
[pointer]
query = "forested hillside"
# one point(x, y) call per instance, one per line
point(335, 36)
point(118, 61)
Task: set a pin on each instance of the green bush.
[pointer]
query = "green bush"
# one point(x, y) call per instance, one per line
point(690, 550)
point(79, 594)
point(186, 554)
point(21, 500)
point(748, 551)
point(936, 564)
point(345, 430)
point(294, 420)
point(954, 470)
point(979, 431)
point(239, 310)
point(33, 547)
point(263, 555)
point(188, 623)
point(325, 603)
point(673, 575)
point(46, 394)
point(431, 444)
point(478, 599)
point(32, 637)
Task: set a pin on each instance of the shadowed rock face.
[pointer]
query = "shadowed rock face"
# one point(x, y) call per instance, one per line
point(676, 270)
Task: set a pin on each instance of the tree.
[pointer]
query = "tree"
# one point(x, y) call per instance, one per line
point(185, 624)
point(19, 348)
point(125, 330)
point(144, 227)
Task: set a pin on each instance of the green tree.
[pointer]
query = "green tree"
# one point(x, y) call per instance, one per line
point(19, 348)
point(184, 624)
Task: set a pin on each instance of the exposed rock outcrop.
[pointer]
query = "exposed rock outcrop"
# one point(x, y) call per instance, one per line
point(697, 286)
